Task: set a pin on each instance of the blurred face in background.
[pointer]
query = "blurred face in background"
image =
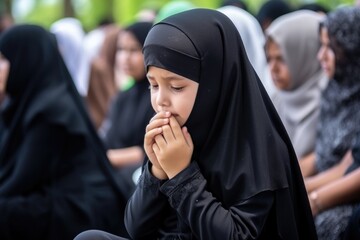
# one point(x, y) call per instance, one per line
point(326, 55)
point(4, 73)
point(129, 57)
point(6, 21)
point(279, 70)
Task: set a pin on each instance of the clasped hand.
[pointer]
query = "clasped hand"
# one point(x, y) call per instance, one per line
point(168, 145)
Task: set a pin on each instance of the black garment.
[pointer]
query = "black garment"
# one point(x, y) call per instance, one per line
point(353, 229)
point(55, 179)
point(126, 123)
point(271, 10)
point(129, 114)
point(244, 181)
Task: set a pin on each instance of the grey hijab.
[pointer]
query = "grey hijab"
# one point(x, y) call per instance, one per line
point(340, 106)
point(297, 35)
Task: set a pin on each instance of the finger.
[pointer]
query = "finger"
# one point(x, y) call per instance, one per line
point(175, 128)
point(157, 123)
point(188, 137)
point(155, 148)
point(160, 141)
point(150, 135)
point(168, 133)
point(161, 114)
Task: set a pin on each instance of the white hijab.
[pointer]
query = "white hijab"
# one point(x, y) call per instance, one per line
point(254, 40)
point(69, 34)
point(297, 35)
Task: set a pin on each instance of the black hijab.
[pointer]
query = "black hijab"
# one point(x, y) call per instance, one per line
point(240, 143)
point(139, 30)
point(39, 84)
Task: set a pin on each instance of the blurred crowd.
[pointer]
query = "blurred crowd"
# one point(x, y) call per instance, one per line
point(74, 106)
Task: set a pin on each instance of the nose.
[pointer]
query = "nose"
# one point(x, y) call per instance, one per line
point(162, 99)
point(321, 54)
point(273, 67)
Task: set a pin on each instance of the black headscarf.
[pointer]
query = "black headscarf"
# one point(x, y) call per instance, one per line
point(139, 30)
point(40, 87)
point(240, 143)
point(272, 9)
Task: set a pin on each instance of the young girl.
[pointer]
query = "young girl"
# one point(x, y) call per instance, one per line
point(220, 165)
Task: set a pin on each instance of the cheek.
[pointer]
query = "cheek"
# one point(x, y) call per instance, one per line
point(184, 108)
point(153, 102)
point(138, 65)
point(117, 60)
point(121, 59)
point(139, 61)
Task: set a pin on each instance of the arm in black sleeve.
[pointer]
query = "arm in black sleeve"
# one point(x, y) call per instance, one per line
point(206, 216)
point(146, 209)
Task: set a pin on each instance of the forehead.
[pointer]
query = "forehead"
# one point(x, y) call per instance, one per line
point(272, 47)
point(127, 38)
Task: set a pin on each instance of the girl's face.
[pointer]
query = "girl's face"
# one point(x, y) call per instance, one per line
point(4, 73)
point(129, 57)
point(172, 93)
point(326, 55)
point(278, 68)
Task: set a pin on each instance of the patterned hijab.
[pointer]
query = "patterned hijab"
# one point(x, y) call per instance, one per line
point(340, 107)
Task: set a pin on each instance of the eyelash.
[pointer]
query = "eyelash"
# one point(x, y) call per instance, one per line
point(176, 89)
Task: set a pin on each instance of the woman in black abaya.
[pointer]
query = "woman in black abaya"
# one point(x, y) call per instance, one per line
point(55, 179)
point(227, 170)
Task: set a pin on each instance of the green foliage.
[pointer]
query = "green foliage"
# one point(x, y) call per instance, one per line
point(44, 14)
point(91, 12)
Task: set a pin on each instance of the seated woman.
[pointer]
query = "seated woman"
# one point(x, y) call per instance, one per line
point(55, 178)
point(123, 129)
point(331, 194)
point(297, 75)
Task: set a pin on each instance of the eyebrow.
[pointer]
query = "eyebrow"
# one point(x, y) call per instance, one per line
point(169, 78)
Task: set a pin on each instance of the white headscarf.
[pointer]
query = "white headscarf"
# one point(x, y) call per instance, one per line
point(254, 40)
point(69, 35)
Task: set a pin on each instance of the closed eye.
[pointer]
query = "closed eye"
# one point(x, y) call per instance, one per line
point(177, 89)
point(153, 86)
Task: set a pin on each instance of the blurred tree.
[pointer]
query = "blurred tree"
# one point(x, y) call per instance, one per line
point(68, 9)
point(44, 13)
point(92, 12)
point(6, 6)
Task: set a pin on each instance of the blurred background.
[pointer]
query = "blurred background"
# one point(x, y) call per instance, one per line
point(93, 12)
